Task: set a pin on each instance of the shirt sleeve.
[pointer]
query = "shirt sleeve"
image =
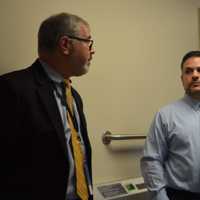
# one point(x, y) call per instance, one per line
point(159, 195)
point(152, 162)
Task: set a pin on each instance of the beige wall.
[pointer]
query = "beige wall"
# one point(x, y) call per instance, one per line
point(139, 44)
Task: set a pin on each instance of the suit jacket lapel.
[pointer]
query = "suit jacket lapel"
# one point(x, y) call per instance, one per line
point(45, 92)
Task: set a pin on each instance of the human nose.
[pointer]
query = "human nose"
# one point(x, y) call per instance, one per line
point(195, 75)
point(92, 50)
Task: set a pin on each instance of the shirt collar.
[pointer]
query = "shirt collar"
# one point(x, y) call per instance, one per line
point(192, 102)
point(53, 75)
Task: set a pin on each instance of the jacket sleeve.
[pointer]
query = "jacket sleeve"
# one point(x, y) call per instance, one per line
point(8, 132)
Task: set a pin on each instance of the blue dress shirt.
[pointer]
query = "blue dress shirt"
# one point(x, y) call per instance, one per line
point(172, 149)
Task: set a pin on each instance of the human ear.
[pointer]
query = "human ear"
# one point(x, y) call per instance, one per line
point(64, 45)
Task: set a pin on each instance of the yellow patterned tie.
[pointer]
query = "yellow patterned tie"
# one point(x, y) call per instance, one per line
point(81, 185)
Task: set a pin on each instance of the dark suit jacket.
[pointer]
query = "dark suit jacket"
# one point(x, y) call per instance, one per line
point(33, 154)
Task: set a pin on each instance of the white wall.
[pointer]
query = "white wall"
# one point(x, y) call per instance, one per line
point(139, 45)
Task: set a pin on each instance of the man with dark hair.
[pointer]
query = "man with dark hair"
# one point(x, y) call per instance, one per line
point(171, 160)
point(45, 151)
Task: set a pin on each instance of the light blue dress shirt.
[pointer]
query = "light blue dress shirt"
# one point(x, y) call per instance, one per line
point(57, 79)
point(172, 149)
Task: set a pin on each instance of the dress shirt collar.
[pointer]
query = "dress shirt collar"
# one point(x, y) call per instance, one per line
point(53, 75)
point(192, 102)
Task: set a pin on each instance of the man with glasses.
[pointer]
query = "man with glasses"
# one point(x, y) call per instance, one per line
point(45, 151)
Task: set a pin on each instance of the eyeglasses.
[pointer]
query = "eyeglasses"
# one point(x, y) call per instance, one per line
point(83, 40)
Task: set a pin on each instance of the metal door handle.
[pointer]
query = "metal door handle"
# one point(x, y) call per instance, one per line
point(108, 137)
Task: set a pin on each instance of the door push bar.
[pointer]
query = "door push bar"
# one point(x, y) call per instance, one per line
point(108, 137)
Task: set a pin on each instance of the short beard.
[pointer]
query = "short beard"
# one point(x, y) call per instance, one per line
point(195, 95)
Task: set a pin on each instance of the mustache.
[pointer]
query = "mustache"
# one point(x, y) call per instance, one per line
point(193, 83)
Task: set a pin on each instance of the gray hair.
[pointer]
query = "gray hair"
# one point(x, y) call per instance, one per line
point(56, 26)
